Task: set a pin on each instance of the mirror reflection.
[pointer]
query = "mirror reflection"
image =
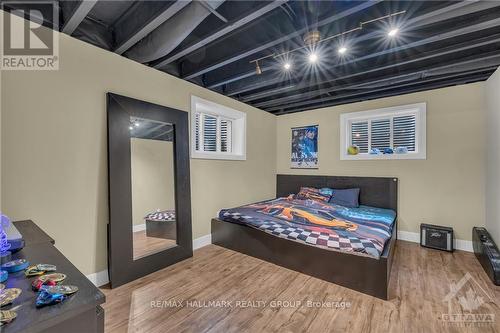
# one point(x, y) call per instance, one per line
point(153, 186)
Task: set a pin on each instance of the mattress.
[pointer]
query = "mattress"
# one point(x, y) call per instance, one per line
point(364, 230)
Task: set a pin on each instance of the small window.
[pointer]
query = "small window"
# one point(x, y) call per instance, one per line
point(218, 132)
point(400, 130)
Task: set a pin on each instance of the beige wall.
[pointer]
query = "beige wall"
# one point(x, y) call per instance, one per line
point(447, 188)
point(1, 24)
point(493, 155)
point(152, 164)
point(54, 166)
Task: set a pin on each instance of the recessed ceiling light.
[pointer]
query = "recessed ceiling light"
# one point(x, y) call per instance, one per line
point(393, 32)
point(342, 50)
point(130, 127)
point(313, 57)
point(137, 124)
point(287, 66)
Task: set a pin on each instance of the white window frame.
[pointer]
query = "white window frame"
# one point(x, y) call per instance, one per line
point(418, 109)
point(236, 136)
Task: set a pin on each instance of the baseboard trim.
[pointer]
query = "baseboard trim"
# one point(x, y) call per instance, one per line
point(101, 278)
point(139, 227)
point(460, 244)
point(202, 241)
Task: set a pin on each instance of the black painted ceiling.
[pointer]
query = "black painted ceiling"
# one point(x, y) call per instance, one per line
point(211, 43)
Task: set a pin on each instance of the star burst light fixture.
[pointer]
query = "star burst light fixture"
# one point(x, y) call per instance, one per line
point(313, 57)
point(313, 39)
point(393, 32)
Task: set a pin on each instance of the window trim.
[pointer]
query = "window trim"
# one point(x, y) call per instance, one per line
point(238, 120)
point(419, 109)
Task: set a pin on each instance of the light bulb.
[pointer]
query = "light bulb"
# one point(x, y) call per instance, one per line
point(287, 66)
point(313, 58)
point(393, 32)
point(342, 50)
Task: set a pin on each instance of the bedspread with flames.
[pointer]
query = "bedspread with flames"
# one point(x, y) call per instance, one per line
point(363, 230)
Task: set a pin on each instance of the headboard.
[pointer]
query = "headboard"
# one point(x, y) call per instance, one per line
point(374, 191)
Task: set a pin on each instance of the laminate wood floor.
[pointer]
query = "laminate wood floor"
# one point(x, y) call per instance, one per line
point(176, 299)
point(145, 246)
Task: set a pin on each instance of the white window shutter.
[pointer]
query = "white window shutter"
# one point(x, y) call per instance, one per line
point(380, 134)
point(197, 131)
point(359, 135)
point(209, 133)
point(392, 127)
point(225, 135)
point(404, 131)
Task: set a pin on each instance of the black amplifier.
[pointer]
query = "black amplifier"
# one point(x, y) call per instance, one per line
point(487, 253)
point(436, 237)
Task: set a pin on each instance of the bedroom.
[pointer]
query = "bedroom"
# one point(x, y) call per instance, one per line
point(55, 155)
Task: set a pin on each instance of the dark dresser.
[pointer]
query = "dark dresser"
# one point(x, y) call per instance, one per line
point(78, 314)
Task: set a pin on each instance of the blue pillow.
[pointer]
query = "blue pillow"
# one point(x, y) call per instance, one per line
point(346, 197)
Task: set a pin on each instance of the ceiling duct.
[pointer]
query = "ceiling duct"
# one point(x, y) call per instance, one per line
point(170, 34)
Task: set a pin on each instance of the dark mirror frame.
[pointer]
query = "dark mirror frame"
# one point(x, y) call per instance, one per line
point(122, 267)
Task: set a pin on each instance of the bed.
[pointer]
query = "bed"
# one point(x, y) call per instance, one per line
point(161, 224)
point(356, 252)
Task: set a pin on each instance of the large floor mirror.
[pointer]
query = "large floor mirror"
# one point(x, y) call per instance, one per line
point(150, 210)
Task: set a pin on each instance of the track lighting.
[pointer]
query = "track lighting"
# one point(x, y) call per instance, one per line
point(313, 41)
point(258, 70)
point(313, 57)
point(312, 37)
point(393, 32)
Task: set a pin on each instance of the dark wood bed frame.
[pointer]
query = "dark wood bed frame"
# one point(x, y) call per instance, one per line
point(364, 274)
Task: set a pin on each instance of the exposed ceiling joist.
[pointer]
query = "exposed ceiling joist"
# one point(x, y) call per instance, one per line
point(240, 88)
point(238, 77)
point(171, 33)
point(310, 94)
point(452, 11)
point(81, 10)
point(222, 32)
point(168, 131)
point(392, 91)
point(464, 76)
point(281, 40)
point(138, 32)
point(439, 44)
point(153, 129)
point(213, 11)
point(490, 60)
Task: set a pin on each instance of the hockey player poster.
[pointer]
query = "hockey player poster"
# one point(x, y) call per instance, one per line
point(304, 147)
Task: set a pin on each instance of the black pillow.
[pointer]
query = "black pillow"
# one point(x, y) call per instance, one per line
point(348, 197)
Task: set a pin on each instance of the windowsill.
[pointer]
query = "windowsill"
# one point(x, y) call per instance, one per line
point(407, 156)
point(218, 156)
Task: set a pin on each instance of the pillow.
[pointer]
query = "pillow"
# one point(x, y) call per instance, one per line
point(348, 197)
point(323, 194)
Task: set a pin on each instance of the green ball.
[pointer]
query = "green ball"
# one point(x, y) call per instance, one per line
point(353, 150)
